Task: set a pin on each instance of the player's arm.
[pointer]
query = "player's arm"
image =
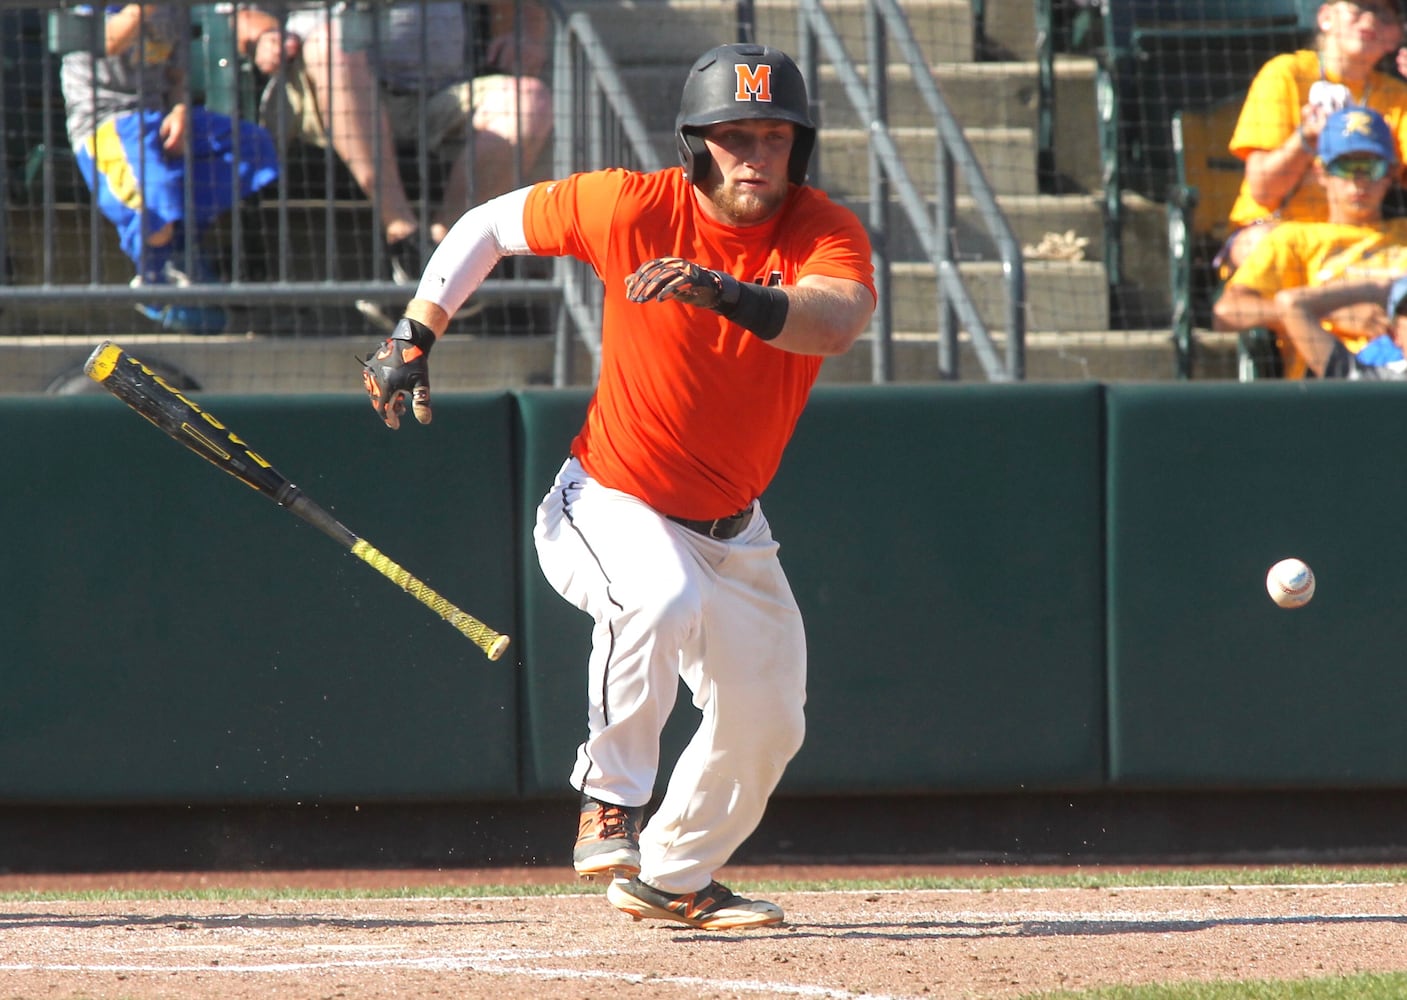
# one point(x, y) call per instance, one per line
point(817, 315)
point(824, 315)
point(400, 365)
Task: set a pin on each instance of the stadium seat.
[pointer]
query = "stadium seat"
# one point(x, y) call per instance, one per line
point(27, 110)
point(1199, 208)
point(1164, 56)
point(219, 78)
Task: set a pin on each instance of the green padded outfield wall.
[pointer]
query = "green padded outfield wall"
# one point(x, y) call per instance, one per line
point(173, 636)
point(945, 544)
point(1212, 685)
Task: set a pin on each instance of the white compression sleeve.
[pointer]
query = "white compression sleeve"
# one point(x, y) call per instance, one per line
point(482, 236)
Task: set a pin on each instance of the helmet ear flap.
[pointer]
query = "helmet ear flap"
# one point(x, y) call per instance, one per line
point(802, 146)
point(693, 153)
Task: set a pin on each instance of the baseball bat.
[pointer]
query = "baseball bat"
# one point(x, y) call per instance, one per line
point(182, 420)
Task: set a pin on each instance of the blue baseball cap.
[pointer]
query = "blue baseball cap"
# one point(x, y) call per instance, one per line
point(1357, 130)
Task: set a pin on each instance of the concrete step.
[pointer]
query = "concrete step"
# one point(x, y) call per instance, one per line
point(990, 94)
point(1007, 157)
point(678, 31)
point(1006, 95)
point(980, 95)
point(944, 29)
point(1060, 295)
point(256, 363)
point(41, 363)
point(1071, 356)
point(1031, 218)
point(230, 365)
point(1009, 29)
point(308, 260)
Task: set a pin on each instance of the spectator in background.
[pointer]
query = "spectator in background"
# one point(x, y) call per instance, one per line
point(131, 126)
point(1358, 159)
point(1287, 105)
point(364, 103)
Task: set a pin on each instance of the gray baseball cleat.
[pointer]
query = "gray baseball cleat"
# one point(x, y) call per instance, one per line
point(715, 908)
point(608, 840)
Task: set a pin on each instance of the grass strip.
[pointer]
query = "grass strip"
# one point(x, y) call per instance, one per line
point(1093, 879)
point(1363, 986)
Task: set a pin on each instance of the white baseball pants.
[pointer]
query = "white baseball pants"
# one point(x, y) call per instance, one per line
point(670, 603)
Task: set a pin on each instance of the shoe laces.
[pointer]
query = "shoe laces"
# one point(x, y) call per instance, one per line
point(614, 821)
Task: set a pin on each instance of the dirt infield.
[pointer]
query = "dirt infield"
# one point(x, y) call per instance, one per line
point(922, 944)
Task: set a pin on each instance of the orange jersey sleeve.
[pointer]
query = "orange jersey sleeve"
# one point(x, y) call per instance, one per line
point(691, 412)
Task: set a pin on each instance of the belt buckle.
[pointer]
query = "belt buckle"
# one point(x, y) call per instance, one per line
point(733, 524)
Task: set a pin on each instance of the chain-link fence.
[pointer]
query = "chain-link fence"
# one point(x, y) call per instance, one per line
point(1070, 109)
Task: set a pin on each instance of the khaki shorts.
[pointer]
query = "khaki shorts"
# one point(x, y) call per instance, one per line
point(446, 112)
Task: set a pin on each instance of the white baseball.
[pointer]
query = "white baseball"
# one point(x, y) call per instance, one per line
point(1290, 583)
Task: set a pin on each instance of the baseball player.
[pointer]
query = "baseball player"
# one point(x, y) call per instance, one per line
point(727, 282)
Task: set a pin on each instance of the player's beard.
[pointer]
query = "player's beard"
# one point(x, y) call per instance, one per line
point(744, 206)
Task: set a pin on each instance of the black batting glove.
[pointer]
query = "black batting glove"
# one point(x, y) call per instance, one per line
point(666, 278)
point(399, 366)
point(758, 310)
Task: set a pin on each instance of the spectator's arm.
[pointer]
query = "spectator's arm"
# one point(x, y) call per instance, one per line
point(1302, 312)
point(1273, 174)
point(250, 25)
point(122, 29)
point(177, 93)
point(1351, 305)
point(503, 48)
point(1241, 307)
point(258, 33)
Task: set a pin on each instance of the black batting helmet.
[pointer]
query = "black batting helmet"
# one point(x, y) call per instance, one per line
point(734, 82)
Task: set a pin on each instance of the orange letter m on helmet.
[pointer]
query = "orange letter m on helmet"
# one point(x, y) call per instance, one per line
point(754, 82)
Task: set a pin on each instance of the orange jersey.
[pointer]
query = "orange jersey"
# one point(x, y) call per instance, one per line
point(691, 412)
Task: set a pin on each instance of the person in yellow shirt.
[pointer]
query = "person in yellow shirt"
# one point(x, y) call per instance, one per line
point(1357, 161)
point(1287, 105)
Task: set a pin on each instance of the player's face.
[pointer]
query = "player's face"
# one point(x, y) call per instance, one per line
point(747, 180)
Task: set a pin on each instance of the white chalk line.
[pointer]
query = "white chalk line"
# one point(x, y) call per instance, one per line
point(1045, 890)
point(449, 963)
point(493, 962)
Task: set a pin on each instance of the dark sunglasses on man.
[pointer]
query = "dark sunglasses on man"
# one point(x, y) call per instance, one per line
point(1373, 168)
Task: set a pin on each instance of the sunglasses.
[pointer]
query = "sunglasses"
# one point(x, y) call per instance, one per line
point(1358, 170)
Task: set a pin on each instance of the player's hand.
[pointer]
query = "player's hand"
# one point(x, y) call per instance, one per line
point(399, 366)
point(666, 278)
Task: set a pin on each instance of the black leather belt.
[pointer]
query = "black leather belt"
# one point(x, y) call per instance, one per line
point(722, 528)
